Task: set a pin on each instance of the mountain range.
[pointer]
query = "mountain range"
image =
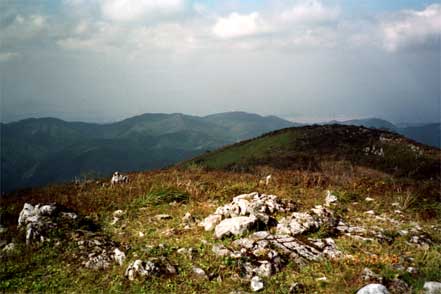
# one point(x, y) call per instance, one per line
point(39, 151)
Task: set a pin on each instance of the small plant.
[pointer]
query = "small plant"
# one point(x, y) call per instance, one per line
point(407, 200)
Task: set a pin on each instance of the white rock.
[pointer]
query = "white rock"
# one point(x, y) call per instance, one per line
point(188, 218)
point(256, 284)
point(265, 269)
point(210, 222)
point(9, 247)
point(140, 268)
point(118, 213)
point(330, 198)
point(373, 289)
point(163, 216)
point(234, 226)
point(369, 199)
point(220, 250)
point(69, 215)
point(371, 212)
point(322, 279)
point(432, 287)
point(200, 273)
point(119, 256)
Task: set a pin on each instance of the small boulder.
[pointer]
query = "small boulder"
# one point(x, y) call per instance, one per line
point(199, 273)
point(210, 222)
point(163, 216)
point(432, 287)
point(373, 289)
point(235, 226)
point(330, 198)
point(119, 256)
point(142, 269)
point(256, 284)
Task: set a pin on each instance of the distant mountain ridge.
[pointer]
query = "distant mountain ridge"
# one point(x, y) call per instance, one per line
point(429, 134)
point(45, 150)
point(38, 151)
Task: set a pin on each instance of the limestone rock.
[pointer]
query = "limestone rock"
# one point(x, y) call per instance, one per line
point(256, 284)
point(199, 273)
point(432, 287)
point(141, 269)
point(210, 222)
point(119, 256)
point(330, 198)
point(373, 289)
point(234, 226)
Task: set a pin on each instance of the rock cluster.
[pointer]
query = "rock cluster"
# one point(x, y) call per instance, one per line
point(40, 219)
point(95, 251)
point(152, 267)
point(267, 244)
point(245, 212)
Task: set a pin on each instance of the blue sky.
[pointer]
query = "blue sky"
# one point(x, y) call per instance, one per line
point(306, 60)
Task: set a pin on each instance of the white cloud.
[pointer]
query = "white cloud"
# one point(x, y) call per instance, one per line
point(239, 25)
point(413, 28)
point(128, 10)
point(309, 12)
point(6, 56)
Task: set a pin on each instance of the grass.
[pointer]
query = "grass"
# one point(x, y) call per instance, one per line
point(177, 191)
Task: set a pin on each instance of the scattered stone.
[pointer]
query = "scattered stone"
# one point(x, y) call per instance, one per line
point(100, 261)
point(163, 216)
point(265, 269)
point(140, 234)
point(330, 199)
point(322, 279)
point(397, 286)
point(256, 284)
point(220, 250)
point(199, 273)
point(369, 199)
point(210, 222)
point(395, 204)
point(373, 289)
point(119, 256)
point(368, 275)
point(370, 212)
point(9, 248)
point(188, 218)
point(432, 287)
point(412, 270)
point(141, 269)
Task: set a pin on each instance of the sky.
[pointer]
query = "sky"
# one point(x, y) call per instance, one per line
point(303, 60)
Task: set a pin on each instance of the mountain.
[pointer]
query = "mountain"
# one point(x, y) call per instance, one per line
point(308, 147)
point(376, 123)
point(429, 134)
point(247, 125)
point(41, 151)
point(314, 209)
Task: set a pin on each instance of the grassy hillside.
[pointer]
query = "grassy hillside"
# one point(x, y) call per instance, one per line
point(306, 147)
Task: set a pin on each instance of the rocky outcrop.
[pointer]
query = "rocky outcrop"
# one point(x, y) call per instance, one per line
point(147, 269)
point(39, 220)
